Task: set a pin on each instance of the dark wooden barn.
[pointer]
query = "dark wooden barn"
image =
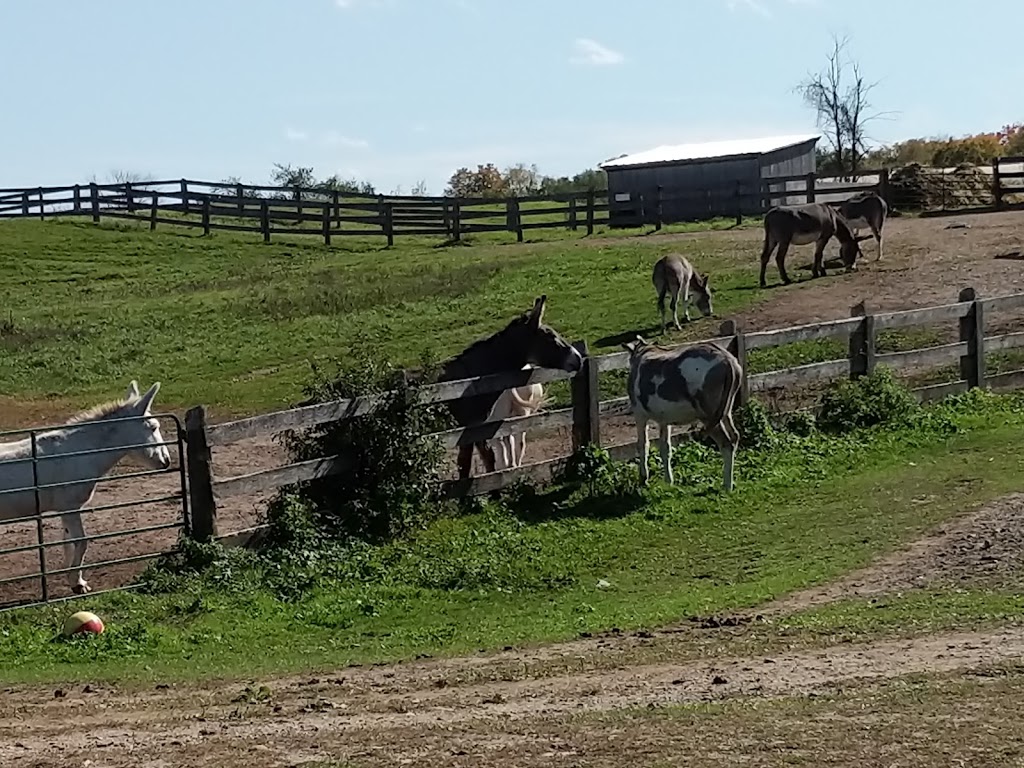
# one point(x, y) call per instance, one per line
point(699, 181)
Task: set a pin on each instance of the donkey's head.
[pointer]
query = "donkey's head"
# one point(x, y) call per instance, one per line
point(702, 294)
point(144, 431)
point(849, 245)
point(635, 346)
point(528, 339)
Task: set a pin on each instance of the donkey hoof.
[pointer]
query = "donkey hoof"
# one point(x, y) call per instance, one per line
point(81, 588)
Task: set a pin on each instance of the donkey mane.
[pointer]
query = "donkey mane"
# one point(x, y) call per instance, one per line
point(97, 412)
point(464, 364)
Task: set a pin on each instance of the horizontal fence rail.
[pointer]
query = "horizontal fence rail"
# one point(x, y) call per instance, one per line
point(859, 334)
point(329, 213)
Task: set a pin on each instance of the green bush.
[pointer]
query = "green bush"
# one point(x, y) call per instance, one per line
point(866, 402)
point(389, 466)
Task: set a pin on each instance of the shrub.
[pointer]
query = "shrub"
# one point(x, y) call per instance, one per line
point(385, 484)
point(755, 426)
point(866, 402)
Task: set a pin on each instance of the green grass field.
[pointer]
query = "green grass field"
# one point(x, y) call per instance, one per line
point(232, 323)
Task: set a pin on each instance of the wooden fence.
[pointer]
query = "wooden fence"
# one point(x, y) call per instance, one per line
point(588, 411)
point(270, 210)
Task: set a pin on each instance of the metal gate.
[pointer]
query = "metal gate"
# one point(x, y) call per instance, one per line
point(20, 478)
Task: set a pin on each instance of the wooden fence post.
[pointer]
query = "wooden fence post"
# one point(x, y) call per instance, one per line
point(811, 187)
point(456, 220)
point(129, 197)
point(77, 193)
point(972, 331)
point(997, 185)
point(94, 202)
point(203, 506)
point(25, 204)
point(572, 213)
point(586, 402)
point(42, 207)
point(590, 212)
point(184, 197)
point(389, 223)
point(240, 196)
point(265, 220)
point(153, 212)
point(515, 218)
point(862, 343)
point(738, 347)
point(336, 202)
point(206, 216)
point(327, 224)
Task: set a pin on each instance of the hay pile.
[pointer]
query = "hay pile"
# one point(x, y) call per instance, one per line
point(915, 187)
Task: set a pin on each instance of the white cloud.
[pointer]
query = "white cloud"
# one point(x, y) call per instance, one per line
point(751, 5)
point(293, 134)
point(592, 53)
point(335, 139)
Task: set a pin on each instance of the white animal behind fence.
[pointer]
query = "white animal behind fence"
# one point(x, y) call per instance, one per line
point(518, 401)
point(71, 460)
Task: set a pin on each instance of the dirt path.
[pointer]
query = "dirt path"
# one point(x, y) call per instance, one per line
point(386, 709)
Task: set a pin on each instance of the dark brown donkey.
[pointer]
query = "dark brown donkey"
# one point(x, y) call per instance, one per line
point(786, 225)
point(525, 340)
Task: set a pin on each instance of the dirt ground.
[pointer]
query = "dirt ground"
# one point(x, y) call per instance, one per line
point(591, 701)
point(604, 701)
point(926, 262)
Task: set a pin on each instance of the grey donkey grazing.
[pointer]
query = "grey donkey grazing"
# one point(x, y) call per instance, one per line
point(674, 274)
point(680, 386)
point(865, 209)
point(786, 225)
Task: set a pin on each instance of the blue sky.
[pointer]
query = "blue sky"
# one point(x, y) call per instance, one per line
point(395, 91)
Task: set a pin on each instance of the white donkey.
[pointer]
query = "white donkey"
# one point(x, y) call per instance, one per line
point(62, 457)
point(518, 401)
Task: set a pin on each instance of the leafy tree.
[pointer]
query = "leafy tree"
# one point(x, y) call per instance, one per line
point(522, 180)
point(485, 181)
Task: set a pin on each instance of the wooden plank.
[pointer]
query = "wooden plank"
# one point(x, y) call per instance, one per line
point(939, 391)
point(311, 415)
point(1008, 301)
point(1005, 341)
point(270, 479)
point(618, 406)
point(826, 330)
point(491, 430)
point(942, 354)
point(911, 317)
point(1005, 382)
point(616, 361)
point(801, 374)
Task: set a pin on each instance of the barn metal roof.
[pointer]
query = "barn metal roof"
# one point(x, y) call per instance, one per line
point(677, 153)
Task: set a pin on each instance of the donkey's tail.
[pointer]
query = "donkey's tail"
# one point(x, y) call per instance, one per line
point(734, 380)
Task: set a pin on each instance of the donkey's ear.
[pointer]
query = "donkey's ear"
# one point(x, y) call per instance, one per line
point(133, 390)
point(537, 313)
point(146, 401)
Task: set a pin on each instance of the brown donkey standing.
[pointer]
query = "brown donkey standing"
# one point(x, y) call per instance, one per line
point(525, 340)
point(672, 274)
point(786, 225)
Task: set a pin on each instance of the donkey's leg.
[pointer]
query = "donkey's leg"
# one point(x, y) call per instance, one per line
point(686, 302)
point(780, 261)
point(726, 447)
point(877, 232)
point(642, 447)
point(465, 461)
point(766, 254)
point(819, 257)
point(75, 553)
point(522, 449)
point(486, 455)
point(662, 292)
point(675, 307)
point(665, 444)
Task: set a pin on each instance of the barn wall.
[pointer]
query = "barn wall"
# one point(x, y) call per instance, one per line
point(703, 189)
point(798, 160)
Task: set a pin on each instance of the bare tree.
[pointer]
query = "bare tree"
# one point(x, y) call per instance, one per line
point(839, 96)
point(419, 189)
point(121, 176)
